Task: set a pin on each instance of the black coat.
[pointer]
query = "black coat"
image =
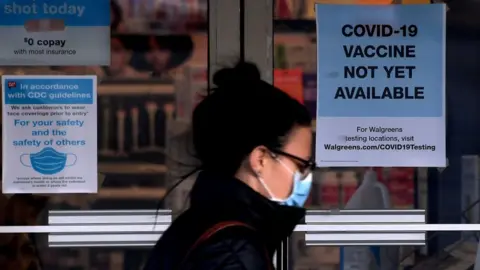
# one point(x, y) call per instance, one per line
point(215, 199)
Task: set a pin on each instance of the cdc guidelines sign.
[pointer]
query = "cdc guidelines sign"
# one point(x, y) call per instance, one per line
point(50, 134)
point(381, 85)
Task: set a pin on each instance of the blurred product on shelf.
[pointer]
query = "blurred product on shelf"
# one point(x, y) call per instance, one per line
point(168, 16)
point(336, 188)
point(305, 10)
point(136, 56)
point(329, 190)
point(120, 62)
point(190, 85)
point(133, 126)
point(283, 9)
point(349, 184)
point(312, 257)
point(295, 51)
point(401, 185)
point(310, 93)
point(294, 9)
point(290, 81)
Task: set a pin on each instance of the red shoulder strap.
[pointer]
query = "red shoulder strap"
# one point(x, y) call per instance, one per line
point(212, 231)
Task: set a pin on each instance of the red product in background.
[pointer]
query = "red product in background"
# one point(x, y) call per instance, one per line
point(349, 185)
point(290, 81)
point(330, 196)
point(401, 186)
point(310, 93)
point(329, 191)
point(348, 192)
point(309, 201)
point(282, 9)
point(379, 172)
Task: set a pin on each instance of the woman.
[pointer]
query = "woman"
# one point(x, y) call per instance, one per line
point(254, 144)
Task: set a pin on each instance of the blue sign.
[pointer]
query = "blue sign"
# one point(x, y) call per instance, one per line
point(380, 61)
point(380, 85)
point(55, 32)
point(72, 12)
point(49, 91)
point(50, 134)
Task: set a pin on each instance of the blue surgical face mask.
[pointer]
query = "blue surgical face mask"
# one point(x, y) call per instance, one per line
point(48, 161)
point(300, 190)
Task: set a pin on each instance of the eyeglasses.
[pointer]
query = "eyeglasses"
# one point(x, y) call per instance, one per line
point(304, 166)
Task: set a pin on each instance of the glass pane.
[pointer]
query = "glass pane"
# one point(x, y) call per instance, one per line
point(295, 55)
point(145, 97)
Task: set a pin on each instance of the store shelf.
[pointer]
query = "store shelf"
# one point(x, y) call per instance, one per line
point(279, 25)
point(131, 168)
point(115, 89)
point(130, 193)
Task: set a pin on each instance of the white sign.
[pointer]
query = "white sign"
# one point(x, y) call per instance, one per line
point(381, 86)
point(55, 32)
point(49, 134)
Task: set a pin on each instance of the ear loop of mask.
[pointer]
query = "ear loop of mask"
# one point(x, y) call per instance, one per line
point(260, 179)
point(265, 186)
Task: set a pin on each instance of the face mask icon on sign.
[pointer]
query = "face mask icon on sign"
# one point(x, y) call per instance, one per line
point(48, 161)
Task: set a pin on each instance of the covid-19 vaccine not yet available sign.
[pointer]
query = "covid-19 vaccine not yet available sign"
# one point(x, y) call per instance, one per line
point(55, 32)
point(381, 85)
point(49, 134)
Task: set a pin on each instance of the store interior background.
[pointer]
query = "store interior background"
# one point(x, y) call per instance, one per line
point(158, 73)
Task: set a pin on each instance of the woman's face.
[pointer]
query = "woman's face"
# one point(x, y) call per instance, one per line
point(277, 173)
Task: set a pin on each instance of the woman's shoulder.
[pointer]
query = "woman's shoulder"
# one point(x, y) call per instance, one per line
point(236, 247)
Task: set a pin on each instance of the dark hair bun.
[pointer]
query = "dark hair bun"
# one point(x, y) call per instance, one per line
point(243, 73)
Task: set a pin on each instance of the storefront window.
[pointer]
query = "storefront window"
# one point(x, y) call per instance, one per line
point(158, 54)
point(295, 56)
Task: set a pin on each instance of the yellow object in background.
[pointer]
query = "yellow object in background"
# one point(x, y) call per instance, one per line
point(310, 12)
point(310, 4)
point(408, 2)
point(373, 2)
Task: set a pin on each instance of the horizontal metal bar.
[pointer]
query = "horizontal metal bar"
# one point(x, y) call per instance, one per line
point(152, 216)
point(112, 220)
point(373, 243)
point(364, 219)
point(420, 228)
point(85, 228)
point(367, 212)
point(388, 228)
point(120, 244)
point(103, 238)
point(332, 237)
point(108, 212)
